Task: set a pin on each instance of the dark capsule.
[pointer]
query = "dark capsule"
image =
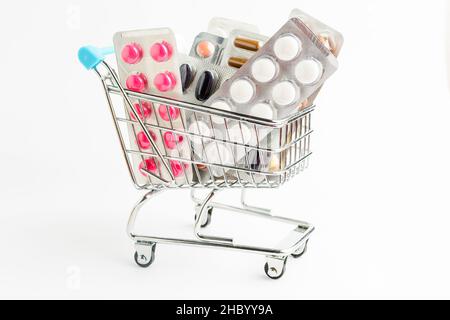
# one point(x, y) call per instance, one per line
point(205, 86)
point(187, 75)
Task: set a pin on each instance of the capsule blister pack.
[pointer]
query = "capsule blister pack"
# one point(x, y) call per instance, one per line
point(289, 68)
point(241, 46)
point(148, 63)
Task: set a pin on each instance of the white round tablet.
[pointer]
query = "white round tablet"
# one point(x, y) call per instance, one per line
point(241, 91)
point(221, 105)
point(218, 154)
point(308, 71)
point(199, 128)
point(262, 110)
point(287, 47)
point(284, 93)
point(240, 133)
point(264, 70)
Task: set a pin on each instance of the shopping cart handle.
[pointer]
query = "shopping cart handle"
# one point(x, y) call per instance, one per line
point(91, 56)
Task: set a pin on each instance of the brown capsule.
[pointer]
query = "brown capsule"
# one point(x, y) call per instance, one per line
point(201, 167)
point(236, 62)
point(246, 44)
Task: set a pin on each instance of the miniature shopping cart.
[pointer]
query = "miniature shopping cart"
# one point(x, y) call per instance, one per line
point(287, 141)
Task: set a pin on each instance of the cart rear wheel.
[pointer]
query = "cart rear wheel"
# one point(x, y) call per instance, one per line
point(145, 259)
point(208, 217)
point(301, 251)
point(274, 269)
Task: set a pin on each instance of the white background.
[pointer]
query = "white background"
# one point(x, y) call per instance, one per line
point(377, 188)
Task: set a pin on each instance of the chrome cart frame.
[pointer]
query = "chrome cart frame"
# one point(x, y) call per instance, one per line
point(287, 141)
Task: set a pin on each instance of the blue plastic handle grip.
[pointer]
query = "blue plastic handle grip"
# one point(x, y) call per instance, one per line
point(91, 56)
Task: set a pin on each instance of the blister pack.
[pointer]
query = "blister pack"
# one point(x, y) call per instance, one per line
point(201, 79)
point(208, 47)
point(148, 63)
point(331, 38)
point(241, 46)
point(288, 69)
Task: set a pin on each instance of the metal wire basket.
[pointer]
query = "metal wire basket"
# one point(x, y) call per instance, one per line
point(264, 154)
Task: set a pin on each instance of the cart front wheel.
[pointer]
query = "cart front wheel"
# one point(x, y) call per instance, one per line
point(275, 268)
point(145, 258)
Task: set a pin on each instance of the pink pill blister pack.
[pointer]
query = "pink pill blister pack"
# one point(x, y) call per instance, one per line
point(148, 63)
point(289, 68)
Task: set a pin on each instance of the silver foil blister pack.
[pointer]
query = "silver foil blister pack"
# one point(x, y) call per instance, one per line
point(288, 69)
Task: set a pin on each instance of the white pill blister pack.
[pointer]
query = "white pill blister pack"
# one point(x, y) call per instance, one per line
point(148, 63)
point(288, 69)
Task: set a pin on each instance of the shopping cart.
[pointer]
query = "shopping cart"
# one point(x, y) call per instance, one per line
point(286, 141)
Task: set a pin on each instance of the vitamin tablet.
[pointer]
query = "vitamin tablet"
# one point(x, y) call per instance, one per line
point(143, 109)
point(287, 47)
point(240, 133)
point(148, 165)
point(137, 82)
point(241, 91)
point(218, 154)
point(161, 51)
point(132, 53)
point(263, 70)
point(168, 113)
point(308, 71)
point(262, 110)
point(143, 141)
point(171, 140)
point(177, 168)
point(199, 128)
point(284, 93)
point(165, 81)
point(221, 105)
point(205, 49)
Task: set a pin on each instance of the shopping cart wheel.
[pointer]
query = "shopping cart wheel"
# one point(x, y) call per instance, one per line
point(301, 251)
point(145, 255)
point(208, 218)
point(275, 267)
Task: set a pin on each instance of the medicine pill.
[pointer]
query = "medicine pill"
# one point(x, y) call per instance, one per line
point(287, 47)
point(177, 168)
point(246, 44)
point(308, 71)
point(143, 141)
point(137, 82)
point(165, 81)
point(161, 51)
point(168, 113)
point(205, 86)
point(221, 105)
point(262, 110)
point(171, 140)
point(187, 76)
point(240, 133)
point(264, 70)
point(284, 93)
point(241, 91)
point(143, 109)
point(237, 62)
point(199, 128)
point(149, 165)
point(132, 53)
point(205, 49)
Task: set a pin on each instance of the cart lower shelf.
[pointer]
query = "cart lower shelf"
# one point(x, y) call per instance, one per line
point(294, 245)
